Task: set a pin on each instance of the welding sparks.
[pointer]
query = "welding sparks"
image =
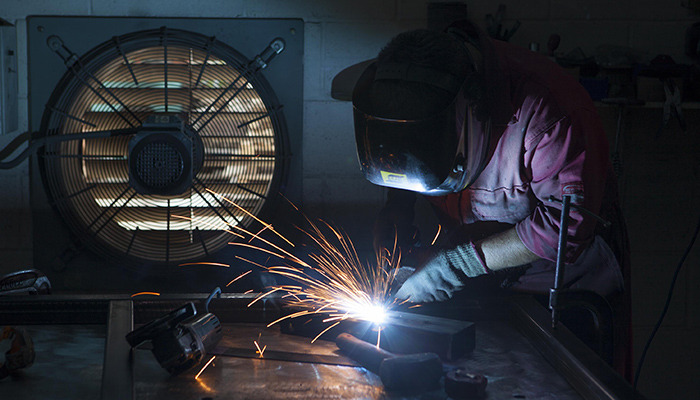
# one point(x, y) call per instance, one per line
point(335, 284)
point(332, 282)
point(206, 263)
point(145, 293)
point(436, 235)
point(239, 277)
point(266, 226)
point(259, 351)
point(204, 367)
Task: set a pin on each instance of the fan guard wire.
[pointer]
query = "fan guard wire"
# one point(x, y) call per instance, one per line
point(118, 85)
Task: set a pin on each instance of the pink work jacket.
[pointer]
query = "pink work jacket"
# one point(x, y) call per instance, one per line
point(547, 140)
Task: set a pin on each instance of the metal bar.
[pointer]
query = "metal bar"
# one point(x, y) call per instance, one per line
point(118, 369)
point(563, 235)
point(94, 221)
point(114, 214)
point(126, 60)
point(238, 185)
point(82, 156)
point(217, 200)
point(81, 191)
point(222, 205)
point(209, 45)
point(198, 233)
point(267, 114)
point(217, 99)
point(217, 112)
point(167, 235)
point(587, 373)
point(164, 31)
point(93, 309)
point(561, 256)
point(131, 242)
point(401, 332)
point(284, 356)
point(106, 89)
point(65, 114)
point(250, 157)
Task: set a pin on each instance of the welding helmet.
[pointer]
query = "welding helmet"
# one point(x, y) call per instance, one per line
point(435, 155)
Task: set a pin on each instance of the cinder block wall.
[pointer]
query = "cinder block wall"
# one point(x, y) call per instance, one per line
point(660, 183)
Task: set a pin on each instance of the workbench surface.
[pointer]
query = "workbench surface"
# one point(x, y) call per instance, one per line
point(517, 352)
point(69, 366)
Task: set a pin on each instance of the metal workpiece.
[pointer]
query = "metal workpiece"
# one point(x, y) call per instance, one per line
point(401, 332)
point(93, 308)
point(515, 349)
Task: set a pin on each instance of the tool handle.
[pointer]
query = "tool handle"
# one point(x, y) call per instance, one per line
point(367, 354)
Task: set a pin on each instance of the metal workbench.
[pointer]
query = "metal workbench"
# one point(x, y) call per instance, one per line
point(81, 353)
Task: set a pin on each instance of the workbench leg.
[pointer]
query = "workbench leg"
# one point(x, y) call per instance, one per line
point(118, 369)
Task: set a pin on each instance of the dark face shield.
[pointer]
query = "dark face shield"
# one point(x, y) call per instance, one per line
point(438, 155)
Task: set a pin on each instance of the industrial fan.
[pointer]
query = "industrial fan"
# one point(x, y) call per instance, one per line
point(161, 145)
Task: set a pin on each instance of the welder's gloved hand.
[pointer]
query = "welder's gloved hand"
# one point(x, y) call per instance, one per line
point(443, 275)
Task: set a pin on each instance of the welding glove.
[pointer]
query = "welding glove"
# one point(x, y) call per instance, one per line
point(443, 275)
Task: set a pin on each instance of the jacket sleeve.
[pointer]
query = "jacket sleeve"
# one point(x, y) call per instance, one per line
point(568, 157)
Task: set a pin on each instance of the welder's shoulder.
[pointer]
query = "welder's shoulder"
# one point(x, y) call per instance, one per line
point(538, 76)
point(542, 93)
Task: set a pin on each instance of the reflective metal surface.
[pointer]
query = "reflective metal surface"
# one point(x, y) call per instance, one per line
point(68, 364)
point(513, 351)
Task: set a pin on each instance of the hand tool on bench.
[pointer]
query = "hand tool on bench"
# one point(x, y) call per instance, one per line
point(410, 372)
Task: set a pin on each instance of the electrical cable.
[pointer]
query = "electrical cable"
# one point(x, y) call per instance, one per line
point(666, 306)
point(15, 144)
point(48, 140)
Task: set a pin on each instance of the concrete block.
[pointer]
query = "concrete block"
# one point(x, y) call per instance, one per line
point(350, 203)
point(360, 41)
point(322, 10)
point(329, 140)
point(313, 79)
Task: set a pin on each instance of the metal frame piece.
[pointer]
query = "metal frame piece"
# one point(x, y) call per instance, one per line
point(402, 333)
point(577, 363)
point(118, 368)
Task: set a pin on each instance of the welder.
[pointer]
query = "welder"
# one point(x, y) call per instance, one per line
point(489, 132)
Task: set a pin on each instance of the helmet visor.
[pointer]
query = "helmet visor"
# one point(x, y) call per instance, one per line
point(428, 155)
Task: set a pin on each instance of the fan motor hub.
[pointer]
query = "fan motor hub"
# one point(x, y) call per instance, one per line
point(164, 156)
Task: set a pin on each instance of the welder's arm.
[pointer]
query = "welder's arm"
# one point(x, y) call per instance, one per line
point(444, 274)
point(504, 250)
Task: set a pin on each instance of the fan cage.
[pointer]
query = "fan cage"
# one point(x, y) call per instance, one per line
point(118, 85)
